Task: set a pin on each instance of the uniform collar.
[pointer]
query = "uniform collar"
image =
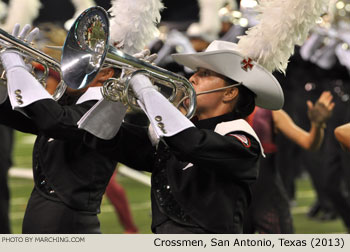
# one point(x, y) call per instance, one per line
point(91, 94)
point(211, 123)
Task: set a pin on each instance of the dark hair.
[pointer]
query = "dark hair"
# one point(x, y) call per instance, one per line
point(246, 100)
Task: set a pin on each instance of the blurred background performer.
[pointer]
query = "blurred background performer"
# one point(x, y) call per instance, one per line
point(272, 214)
point(269, 212)
point(332, 55)
point(321, 65)
point(117, 196)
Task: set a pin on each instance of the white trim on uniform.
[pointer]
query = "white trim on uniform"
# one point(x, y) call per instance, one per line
point(92, 93)
point(238, 125)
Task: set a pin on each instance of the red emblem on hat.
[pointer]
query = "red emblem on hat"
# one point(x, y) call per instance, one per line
point(247, 64)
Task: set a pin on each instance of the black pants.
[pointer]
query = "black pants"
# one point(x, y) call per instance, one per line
point(6, 137)
point(44, 216)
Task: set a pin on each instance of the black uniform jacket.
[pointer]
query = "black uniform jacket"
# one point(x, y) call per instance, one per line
point(208, 175)
point(62, 164)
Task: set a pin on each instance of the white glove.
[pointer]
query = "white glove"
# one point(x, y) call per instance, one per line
point(23, 88)
point(141, 84)
point(11, 58)
point(325, 57)
point(25, 35)
point(146, 55)
point(29, 39)
point(174, 39)
point(165, 118)
point(343, 56)
point(103, 119)
point(311, 45)
point(345, 36)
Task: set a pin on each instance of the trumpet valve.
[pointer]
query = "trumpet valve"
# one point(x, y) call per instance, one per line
point(113, 90)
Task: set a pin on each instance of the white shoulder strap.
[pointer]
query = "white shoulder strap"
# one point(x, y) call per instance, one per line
point(238, 125)
point(92, 93)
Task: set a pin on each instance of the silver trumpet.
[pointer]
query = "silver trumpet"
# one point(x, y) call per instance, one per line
point(31, 54)
point(86, 51)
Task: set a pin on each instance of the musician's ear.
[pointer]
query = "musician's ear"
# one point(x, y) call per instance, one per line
point(102, 76)
point(230, 94)
point(106, 73)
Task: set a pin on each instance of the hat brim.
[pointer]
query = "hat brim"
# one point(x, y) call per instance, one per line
point(268, 91)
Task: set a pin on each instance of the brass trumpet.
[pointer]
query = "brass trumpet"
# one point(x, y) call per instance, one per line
point(32, 54)
point(86, 50)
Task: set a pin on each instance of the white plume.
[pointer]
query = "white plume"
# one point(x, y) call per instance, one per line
point(282, 25)
point(133, 23)
point(22, 12)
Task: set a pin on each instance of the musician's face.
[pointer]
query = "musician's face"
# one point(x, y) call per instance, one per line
point(208, 105)
point(52, 83)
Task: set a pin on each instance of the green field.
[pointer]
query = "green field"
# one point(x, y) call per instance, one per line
point(138, 195)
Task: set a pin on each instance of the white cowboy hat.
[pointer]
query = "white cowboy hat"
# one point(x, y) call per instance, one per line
point(222, 57)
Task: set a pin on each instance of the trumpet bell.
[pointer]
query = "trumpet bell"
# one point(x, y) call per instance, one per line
point(85, 48)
